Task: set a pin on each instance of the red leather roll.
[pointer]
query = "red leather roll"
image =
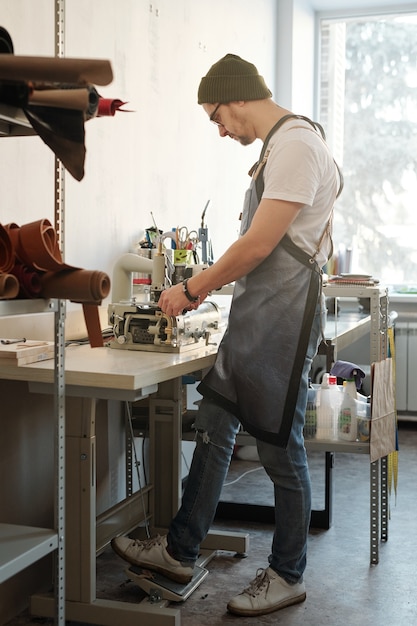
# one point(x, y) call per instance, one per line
point(109, 106)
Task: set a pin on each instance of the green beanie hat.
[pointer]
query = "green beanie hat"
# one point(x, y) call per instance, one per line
point(232, 79)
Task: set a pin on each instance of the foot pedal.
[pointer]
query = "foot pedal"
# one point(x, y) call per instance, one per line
point(159, 587)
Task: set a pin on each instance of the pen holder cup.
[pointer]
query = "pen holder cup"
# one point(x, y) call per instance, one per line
point(183, 257)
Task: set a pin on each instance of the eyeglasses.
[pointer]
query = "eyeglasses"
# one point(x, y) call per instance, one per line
point(212, 116)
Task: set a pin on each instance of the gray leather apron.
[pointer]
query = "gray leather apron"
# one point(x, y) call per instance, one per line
point(260, 359)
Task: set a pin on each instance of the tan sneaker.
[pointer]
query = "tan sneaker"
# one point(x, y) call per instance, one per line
point(152, 554)
point(268, 592)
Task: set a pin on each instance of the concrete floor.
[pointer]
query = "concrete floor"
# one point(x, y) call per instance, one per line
point(342, 588)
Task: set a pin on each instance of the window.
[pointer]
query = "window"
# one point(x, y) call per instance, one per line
point(368, 107)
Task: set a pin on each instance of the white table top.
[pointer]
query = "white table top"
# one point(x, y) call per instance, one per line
point(103, 372)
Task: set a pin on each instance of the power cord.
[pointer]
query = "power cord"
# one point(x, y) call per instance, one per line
point(255, 469)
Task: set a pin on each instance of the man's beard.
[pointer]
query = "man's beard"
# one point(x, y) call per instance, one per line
point(244, 140)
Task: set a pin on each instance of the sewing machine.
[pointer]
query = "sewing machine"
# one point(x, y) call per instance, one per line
point(142, 325)
point(145, 327)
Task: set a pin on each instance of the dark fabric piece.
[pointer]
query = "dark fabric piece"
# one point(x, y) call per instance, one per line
point(63, 132)
point(347, 370)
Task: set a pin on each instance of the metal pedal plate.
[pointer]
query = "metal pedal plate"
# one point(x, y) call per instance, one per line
point(159, 587)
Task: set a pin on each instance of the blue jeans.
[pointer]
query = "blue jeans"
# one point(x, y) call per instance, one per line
point(287, 468)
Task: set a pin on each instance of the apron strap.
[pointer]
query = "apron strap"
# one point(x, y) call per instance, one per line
point(257, 169)
point(253, 172)
point(304, 338)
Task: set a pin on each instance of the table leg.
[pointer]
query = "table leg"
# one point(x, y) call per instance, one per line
point(165, 439)
point(81, 601)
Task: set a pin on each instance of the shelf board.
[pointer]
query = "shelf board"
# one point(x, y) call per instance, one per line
point(21, 546)
point(352, 447)
point(353, 291)
point(13, 122)
point(23, 307)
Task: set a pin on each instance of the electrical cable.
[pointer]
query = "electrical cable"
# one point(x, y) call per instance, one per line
point(107, 333)
point(242, 476)
point(137, 464)
point(145, 478)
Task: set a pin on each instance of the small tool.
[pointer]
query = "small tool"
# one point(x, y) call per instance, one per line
point(204, 212)
point(8, 342)
point(185, 239)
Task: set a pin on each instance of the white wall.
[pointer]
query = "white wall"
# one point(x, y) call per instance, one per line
point(295, 56)
point(164, 157)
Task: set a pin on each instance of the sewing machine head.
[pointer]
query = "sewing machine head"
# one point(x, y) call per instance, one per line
point(145, 327)
point(142, 325)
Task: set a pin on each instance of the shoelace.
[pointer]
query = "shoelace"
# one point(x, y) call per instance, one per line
point(147, 544)
point(259, 583)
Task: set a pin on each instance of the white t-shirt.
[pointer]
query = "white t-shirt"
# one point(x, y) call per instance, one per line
point(300, 168)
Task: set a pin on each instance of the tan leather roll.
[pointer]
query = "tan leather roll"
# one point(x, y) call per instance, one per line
point(53, 69)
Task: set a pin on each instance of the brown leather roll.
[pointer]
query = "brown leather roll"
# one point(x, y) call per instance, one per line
point(92, 321)
point(35, 246)
point(84, 286)
point(7, 258)
point(89, 286)
point(29, 281)
point(9, 287)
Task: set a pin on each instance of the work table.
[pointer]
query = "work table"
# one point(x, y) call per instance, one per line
point(113, 373)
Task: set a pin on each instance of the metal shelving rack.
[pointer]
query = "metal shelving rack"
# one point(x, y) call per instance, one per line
point(378, 310)
point(21, 546)
point(13, 122)
point(379, 313)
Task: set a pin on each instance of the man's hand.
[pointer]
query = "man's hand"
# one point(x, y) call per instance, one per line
point(173, 301)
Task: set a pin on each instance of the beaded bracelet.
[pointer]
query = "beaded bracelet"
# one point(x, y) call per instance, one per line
point(187, 293)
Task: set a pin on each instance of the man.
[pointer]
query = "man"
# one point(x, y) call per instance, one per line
point(260, 376)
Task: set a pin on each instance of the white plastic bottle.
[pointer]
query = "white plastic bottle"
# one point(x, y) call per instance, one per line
point(348, 420)
point(327, 408)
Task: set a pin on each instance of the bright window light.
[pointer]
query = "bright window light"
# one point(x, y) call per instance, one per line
point(368, 107)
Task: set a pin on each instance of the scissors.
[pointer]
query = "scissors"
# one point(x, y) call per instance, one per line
point(185, 239)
